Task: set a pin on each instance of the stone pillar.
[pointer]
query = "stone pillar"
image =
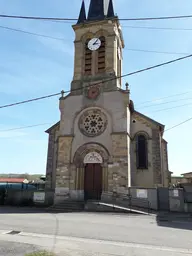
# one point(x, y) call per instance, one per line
point(118, 171)
point(105, 178)
point(156, 152)
point(61, 108)
point(63, 168)
point(78, 194)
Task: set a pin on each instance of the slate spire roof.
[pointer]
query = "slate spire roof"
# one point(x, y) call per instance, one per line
point(82, 14)
point(98, 10)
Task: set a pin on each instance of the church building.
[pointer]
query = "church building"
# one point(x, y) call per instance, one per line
point(101, 143)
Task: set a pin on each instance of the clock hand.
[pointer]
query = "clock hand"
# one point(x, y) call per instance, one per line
point(95, 41)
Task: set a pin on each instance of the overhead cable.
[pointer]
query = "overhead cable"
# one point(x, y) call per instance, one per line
point(29, 100)
point(36, 125)
point(72, 19)
point(178, 124)
point(64, 39)
point(164, 103)
point(24, 127)
point(99, 83)
point(166, 97)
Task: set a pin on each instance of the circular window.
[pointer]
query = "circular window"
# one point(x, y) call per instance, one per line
point(92, 123)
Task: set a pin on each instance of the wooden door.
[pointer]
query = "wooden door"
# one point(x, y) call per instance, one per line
point(93, 182)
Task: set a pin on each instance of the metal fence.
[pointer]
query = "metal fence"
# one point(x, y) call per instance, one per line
point(126, 201)
point(187, 197)
point(17, 194)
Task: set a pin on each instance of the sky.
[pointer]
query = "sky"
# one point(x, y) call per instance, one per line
point(33, 66)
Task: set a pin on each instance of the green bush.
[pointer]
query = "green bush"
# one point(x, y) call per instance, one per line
point(43, 253)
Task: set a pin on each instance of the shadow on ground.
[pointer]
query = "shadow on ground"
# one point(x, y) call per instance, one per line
point(177, 221)
point(21, 210)
point(36, 210)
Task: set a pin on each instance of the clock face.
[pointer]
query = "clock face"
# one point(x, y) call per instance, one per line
point(94, 44)
point(93, 92)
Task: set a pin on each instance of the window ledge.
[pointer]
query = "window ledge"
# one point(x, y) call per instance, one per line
point(142, 169)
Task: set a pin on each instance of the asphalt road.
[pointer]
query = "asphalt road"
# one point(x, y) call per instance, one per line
point(94, 234)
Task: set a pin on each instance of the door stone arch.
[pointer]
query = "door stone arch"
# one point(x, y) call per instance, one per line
point(93, 158)
point(87, 148)
point(91, 153)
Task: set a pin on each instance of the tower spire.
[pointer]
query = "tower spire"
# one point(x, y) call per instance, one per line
point(100, 9)
point(82, 14)
point(110, 12)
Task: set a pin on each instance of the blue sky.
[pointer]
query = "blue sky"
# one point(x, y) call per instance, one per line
point(32, 66)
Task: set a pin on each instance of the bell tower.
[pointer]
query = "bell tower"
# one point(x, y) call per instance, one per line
point(98, 47)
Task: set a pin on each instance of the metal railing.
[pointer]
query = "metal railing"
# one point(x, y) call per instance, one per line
point(188, 197)
point(126, 201)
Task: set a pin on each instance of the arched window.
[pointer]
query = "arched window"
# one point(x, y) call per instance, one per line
point(101, 56)
point(88, 59)
point(142, 152)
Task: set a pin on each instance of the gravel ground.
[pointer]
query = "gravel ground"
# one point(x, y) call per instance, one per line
point(16, 249)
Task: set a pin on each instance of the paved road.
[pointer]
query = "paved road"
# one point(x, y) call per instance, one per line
point(98, 234)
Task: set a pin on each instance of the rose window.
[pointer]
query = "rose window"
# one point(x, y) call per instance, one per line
point(93, 123)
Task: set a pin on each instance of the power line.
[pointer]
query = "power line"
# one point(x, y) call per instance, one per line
point(167, 102)
point(30, 33)
point(179, 106)
point(135, 72)
point(99, 83)
point(152, 51)
point(158, 28)
point(36, 18)
point(24, 127)
point(30, 100)
point(158, 18)
point(72, 19)
point(166, 97)
point(36, 125)
point(62, 39)
point(156, 66)
point(178, 124)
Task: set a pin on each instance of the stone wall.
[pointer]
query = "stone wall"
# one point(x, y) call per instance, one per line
point(112, 34)
point(51, 159)
point(118, 170)
point(165, 167)
point(63, 167)
point(157, 161)
point(157, 172)
point(63, 161)
point(141, 177)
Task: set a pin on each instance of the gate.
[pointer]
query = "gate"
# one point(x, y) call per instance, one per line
point(2, 196)
point(163, 199)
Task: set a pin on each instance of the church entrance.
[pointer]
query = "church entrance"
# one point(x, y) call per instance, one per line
point(93, 176)
point(93, 181)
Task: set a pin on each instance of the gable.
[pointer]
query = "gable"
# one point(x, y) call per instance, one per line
point(54, 127)
point(147, 120)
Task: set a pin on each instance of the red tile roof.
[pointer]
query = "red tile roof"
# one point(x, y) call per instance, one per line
point(12, 180)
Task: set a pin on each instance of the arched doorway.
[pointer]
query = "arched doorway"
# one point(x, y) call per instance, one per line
point(93, 176)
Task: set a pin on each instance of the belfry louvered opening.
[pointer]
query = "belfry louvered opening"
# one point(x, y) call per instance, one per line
point(88, 59)
point(101, 55)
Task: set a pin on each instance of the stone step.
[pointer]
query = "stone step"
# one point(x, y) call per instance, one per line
point(68, 206)
point(64, 210)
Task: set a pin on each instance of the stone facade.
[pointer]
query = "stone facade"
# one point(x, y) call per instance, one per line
point(100, 120)
point(52, 157)
point(114, 39)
